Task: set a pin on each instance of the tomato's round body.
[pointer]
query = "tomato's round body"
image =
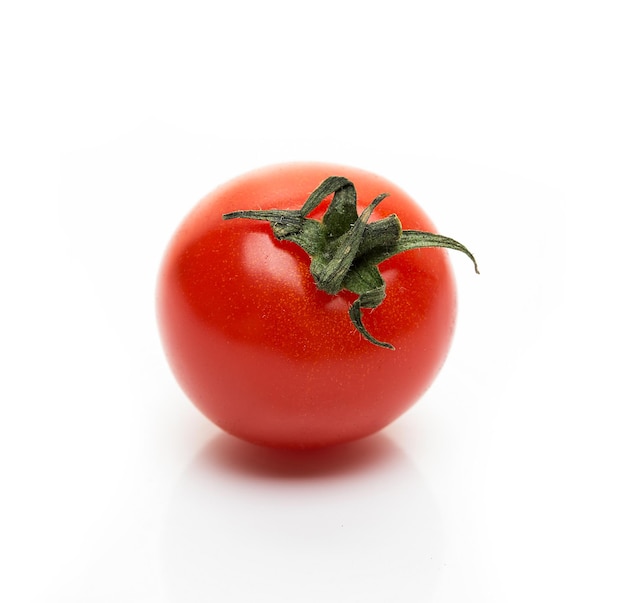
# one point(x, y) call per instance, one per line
point(266, 355)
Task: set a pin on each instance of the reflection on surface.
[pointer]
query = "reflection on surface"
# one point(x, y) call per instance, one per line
point(262, 257)
point(230, 454)
point(350, 523)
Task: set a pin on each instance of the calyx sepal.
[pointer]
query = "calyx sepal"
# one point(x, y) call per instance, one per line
point(345, 248)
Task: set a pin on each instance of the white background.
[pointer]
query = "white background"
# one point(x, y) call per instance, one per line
point(505, 120)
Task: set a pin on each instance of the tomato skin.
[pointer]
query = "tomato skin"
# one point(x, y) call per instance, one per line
point(267, 356)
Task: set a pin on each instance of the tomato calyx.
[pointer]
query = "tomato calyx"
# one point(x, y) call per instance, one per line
point(345, 249)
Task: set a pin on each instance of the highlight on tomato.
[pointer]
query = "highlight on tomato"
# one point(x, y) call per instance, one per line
point(305, 305)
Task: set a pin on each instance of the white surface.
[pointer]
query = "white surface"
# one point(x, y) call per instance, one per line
point(506, 121)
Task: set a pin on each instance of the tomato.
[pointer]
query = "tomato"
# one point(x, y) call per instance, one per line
point(262, 350)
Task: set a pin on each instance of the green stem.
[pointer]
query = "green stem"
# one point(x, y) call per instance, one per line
point(345, 249)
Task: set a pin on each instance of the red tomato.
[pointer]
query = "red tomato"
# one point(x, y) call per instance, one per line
point(269, 357)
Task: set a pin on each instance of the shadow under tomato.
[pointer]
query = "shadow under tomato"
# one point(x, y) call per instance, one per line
point(352, 522)
point(227, 453)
